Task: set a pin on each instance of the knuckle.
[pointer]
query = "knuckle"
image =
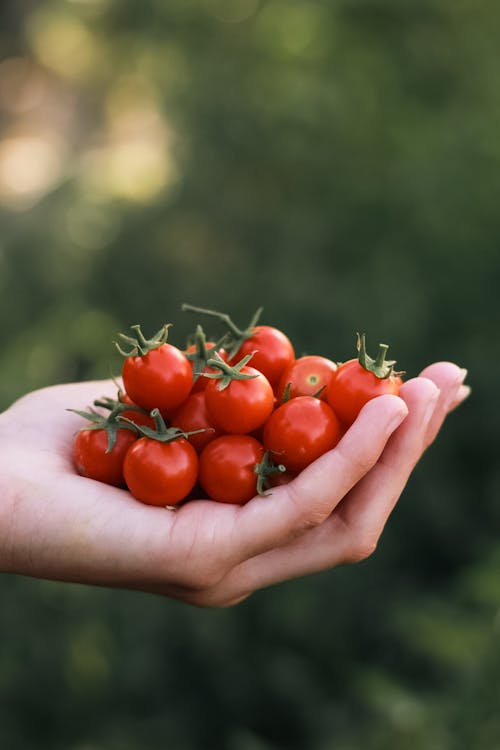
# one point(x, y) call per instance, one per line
point(358, 462)
point(307, 516)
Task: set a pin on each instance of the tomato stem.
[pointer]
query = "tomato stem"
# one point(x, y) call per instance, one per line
point(286, 393)
point(116, 406)
point(202, 353)
point(110, 423)
point(228, 373)
point(380, 367)
point(238, 335)
point(162, 433)
point(264, 470)
point(140, 345)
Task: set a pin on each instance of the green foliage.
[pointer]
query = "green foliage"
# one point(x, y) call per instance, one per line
point(337, 163)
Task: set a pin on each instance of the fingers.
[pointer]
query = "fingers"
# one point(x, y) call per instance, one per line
point(449, 378)
point(353, 529)
point(366, 510)
point(268, 522)
point(463, 393)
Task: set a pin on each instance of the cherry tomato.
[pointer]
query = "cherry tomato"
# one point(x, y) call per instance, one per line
point(192, 415)
point(352, 386)
point(161, 378)
point(359, 380)
point(301, 430)
point(243, 405)
point(307, 376)
point(273, 352)
point(227, 468)
point(92, 461)
point(159, 473)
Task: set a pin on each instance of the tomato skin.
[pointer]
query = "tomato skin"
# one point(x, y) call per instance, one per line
point(160, 473)
point(306, 376)
point(243, 406)
point(352, 386)
point(227, 468)
point(300, 431)
point(160, 379)
point(273, 352)
point(92, 461)
point(193, 415)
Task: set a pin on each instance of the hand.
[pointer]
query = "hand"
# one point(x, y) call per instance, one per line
point(55, 524)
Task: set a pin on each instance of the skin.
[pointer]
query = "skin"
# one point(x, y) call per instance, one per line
point(57, 525)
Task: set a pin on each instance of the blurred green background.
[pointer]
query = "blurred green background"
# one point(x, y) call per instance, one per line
point(338, 163)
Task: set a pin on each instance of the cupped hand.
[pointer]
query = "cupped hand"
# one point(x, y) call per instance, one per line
point(57, 525)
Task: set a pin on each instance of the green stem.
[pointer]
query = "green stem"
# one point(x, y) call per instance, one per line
point(228, 373)
point(140, 345)
point(237, 335)
point(380, 367)
point(382, 351)
point(223, 317)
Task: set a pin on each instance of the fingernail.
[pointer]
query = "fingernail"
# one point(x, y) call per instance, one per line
point(431, 406)
point(463, 392)
point(456, 397)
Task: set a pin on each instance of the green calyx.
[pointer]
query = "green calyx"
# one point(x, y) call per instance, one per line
point(286, 393)
point(227, 373)
point(139, 344)
point(162, 433)
point(235, 336)
point(380, 367)
point(264, 470)
point(117, 405)
point(202, 353)
point(111, 422)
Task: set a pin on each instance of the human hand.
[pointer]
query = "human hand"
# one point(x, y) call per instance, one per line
point(57, 525)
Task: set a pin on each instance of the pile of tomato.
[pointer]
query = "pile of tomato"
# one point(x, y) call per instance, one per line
point(225, 419)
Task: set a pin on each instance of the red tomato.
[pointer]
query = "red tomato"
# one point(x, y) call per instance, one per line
point(227, 468)
point(159, 473)
point(161, 378)
point(359, 380)
point(300, 431)
point(273, 352)
point(92, 461)
point(192, 415)
point(243, 405)
point(307, 376)
point(352, 386)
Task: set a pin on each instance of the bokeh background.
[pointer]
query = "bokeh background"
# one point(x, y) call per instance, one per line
point(337, 162)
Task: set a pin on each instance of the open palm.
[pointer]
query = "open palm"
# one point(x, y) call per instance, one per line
point(55, 524)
